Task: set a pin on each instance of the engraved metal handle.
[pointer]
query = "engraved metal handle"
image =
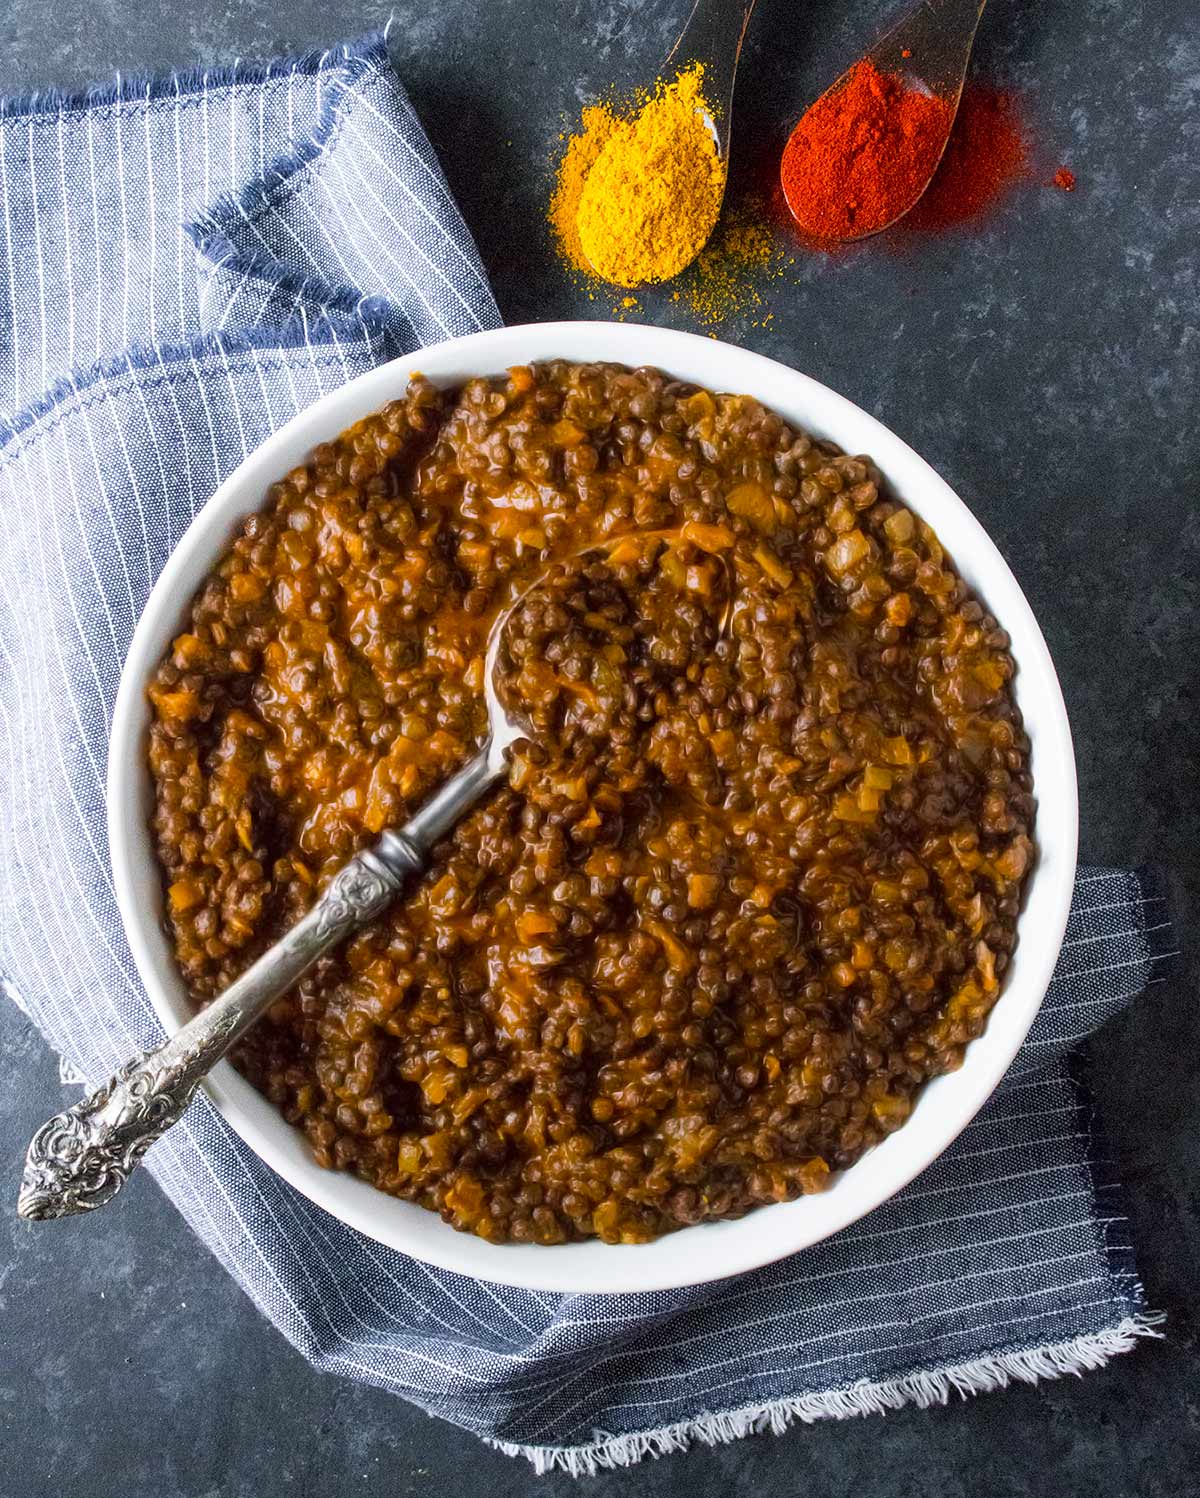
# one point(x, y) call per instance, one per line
point(82, 1157)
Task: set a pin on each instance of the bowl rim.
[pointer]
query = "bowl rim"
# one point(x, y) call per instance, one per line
point(708, 1251)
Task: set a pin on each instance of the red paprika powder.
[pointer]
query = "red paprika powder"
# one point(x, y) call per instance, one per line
point(862, 153)
point(987, 153)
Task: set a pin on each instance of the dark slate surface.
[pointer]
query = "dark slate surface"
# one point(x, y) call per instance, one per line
point(1050, 367)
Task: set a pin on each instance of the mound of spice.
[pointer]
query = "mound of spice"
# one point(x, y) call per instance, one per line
point(861, 155)
point(639, 190)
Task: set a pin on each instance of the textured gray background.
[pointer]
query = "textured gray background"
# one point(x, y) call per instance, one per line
point(1048, 366)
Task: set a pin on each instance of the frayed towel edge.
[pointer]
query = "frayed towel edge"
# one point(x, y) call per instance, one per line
point(927, 1387)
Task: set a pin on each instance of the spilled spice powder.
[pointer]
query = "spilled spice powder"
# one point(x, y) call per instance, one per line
point(732, 275)
point(987, 155)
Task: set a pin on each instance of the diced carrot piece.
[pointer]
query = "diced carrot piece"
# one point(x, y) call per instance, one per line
point(408, 1157)
point(679, 959)
point(179, 707)
point(699, 580)
point(183, 895)
point(707, 537)
point(752, 503)
point(772, 566)
point(244, 587)
point(847, 551)
point(897, 751)
point(531, 924)
point(188, 650)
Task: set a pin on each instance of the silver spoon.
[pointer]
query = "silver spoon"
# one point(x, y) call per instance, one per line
point(931, 46)
point(81, 1158)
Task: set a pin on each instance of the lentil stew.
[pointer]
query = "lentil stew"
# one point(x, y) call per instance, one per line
point(755, 876)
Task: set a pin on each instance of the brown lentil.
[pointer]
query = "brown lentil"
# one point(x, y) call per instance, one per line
point(754, 879)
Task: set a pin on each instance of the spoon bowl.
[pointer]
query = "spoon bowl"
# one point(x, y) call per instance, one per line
point(929, 50)
point(710, 44)
point(932, 45)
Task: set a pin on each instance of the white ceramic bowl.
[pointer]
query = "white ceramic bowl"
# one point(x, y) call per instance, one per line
point(712, 1250)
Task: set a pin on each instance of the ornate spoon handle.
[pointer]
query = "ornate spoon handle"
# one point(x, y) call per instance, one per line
point(82, 1157)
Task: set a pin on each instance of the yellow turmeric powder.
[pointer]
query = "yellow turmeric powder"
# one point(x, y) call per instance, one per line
point(578, 159)
point(733, 273)
point(638, 196)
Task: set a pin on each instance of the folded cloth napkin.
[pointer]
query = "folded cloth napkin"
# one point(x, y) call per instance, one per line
point(186, 263)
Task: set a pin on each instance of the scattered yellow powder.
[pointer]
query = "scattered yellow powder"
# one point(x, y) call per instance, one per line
point(598, 123)
point(639, 191)
point(732, 274)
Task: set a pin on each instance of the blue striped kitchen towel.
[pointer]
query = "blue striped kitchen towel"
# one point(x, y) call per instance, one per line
point(187, 262)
